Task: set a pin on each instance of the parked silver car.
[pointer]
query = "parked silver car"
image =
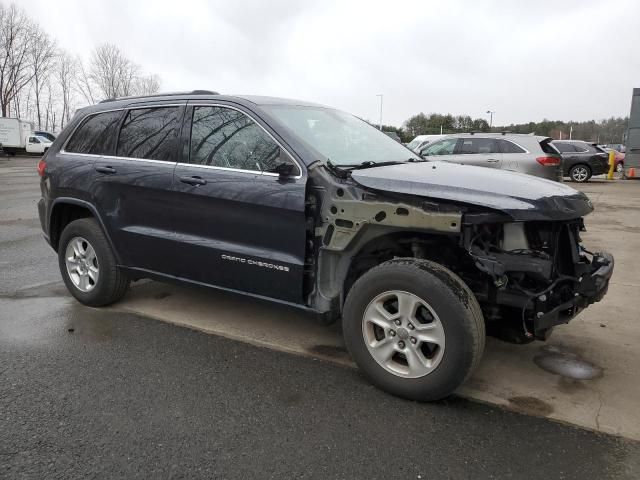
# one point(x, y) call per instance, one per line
point(534, 155)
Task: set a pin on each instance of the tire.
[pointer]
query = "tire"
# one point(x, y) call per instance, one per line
point(445, 307)
point(94, 280)
point(620, 168)
point(580, 173)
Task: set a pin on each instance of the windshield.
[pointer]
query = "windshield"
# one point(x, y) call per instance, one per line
point(413, 143)
point(339, 137)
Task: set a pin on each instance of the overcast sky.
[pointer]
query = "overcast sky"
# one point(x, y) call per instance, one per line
point(562, 59)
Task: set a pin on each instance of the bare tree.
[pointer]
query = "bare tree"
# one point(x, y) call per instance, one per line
point(42, 54)
point(147, 85)
point(84, 84)
point(15, 62)
point(66, 72)
point(113, 73)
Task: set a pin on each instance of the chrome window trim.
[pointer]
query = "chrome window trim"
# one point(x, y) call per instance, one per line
point(151, 160)
point(120, 109)
point(255, 172)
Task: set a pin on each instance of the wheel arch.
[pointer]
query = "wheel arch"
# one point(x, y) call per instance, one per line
point(338, 270)
point(65, 210)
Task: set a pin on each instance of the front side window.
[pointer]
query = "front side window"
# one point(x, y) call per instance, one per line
point(443, 147)
point(33, 140)
point(96, 135)
point(479, 146)
point(149, 133)
point(223, 137)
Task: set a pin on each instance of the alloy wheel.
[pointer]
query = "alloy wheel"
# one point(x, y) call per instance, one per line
point(403, 334)
point(580, 174)
point(82, 264)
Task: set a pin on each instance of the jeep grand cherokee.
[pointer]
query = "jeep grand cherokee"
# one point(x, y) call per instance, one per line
point(309, 206)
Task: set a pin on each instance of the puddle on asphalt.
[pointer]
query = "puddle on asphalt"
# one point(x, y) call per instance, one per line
point(566, 364)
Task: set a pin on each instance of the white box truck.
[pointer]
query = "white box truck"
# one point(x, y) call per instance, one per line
point(15, 135)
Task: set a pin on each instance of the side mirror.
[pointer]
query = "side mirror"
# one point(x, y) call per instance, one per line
point(424, 152)
point(284, 169)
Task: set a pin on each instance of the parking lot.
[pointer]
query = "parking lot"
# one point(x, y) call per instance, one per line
point(131, 383)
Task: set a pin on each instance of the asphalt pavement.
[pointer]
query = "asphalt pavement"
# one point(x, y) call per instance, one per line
point(104, 394)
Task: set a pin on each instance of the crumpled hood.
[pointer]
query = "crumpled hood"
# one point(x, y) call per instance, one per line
point(523, 197)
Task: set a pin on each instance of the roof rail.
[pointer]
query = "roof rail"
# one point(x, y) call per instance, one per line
point(169, 94)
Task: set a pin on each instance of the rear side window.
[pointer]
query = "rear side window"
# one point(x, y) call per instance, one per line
point(96, 134)
point(510, 147)
point(149, 133)
point(479, 146)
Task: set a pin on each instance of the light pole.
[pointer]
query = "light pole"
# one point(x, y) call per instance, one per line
point(380, 95)
point(490, 118)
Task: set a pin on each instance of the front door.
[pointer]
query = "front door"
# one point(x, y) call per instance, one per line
point(241, 226)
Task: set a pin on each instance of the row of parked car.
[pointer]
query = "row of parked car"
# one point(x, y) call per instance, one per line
point(531, 154)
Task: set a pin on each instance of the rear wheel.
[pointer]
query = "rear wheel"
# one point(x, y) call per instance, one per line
point(88, 266)
point(414, 328)
point(580, 173)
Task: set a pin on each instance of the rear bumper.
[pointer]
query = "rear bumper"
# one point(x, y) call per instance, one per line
point(592, 288)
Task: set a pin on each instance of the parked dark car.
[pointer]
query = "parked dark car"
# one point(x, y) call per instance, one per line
point(308, 206)
point(581, 160)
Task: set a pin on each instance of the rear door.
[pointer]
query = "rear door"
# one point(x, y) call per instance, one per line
point(132, 186)
point(240, 226)
point(479, 151)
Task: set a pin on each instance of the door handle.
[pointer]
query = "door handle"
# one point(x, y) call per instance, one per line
point(194, 181)
point(107, 170)
point(493, 160)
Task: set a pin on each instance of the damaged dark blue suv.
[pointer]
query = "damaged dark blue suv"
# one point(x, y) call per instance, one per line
point(309, 206)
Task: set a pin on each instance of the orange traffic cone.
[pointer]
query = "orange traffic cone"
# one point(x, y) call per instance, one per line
point(632, 172)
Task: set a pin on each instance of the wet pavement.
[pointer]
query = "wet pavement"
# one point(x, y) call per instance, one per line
point(101, 393)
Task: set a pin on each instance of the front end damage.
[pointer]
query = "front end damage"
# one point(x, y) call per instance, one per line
point(540, 275)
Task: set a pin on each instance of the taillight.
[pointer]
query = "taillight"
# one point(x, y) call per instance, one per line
point(42, 166)
point(548, 161)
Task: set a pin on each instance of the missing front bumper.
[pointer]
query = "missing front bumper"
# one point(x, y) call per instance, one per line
point(591, 288)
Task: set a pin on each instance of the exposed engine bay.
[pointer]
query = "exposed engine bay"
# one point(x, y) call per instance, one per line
point(539, 271)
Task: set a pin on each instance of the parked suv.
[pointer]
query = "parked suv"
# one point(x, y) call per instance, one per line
point(582, 160)
point(311, 207)
point(515, 152)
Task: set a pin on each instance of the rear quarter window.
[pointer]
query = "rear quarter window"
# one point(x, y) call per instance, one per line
point(509, 147)
point(96, 134)
point(548, 147)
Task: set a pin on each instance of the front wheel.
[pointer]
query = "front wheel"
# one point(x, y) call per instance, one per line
point(88, 266)
point(580, 173)
point(414, 328)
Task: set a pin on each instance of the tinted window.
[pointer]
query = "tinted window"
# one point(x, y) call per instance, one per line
point(479, 145)
point(564, 147)
point(227, 138)
point(443, 147)
point(149, 133)
point(548, 147)
point(510, 147)
point(96, 134)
